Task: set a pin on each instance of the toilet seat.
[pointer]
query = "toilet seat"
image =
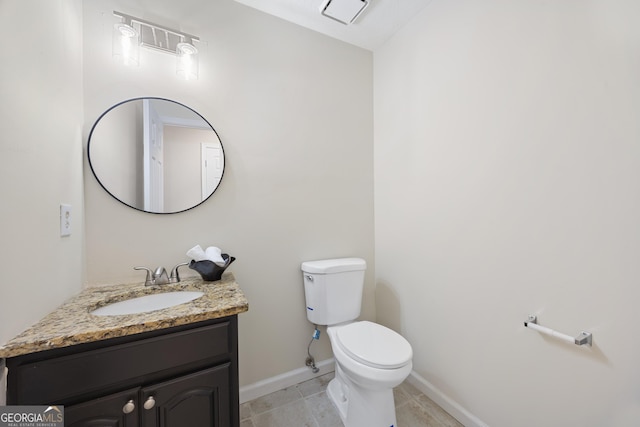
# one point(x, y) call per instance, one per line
point(374, 345)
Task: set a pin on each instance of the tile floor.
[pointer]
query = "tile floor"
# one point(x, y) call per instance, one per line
point(307, 405)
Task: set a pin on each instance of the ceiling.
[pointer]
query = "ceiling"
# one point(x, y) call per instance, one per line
point(379, 21)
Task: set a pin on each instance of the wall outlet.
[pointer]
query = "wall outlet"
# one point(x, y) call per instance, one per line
point(65, 220)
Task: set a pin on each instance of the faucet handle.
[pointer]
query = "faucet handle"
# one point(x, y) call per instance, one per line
point(175, 276)
point(148, 280)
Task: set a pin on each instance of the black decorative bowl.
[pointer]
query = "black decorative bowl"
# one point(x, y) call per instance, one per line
point(209, 270)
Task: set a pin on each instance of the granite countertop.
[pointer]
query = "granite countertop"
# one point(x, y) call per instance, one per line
point(72, 323)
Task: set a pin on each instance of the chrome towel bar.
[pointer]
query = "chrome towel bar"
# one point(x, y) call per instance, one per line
point(585, 338)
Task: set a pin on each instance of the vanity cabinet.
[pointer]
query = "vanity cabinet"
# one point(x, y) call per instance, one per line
point(183, 376)
point(108, 411)
point(197, 400)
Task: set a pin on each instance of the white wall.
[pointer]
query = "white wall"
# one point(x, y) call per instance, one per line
point(294, 112)
point(41, 150)
point(507, 175)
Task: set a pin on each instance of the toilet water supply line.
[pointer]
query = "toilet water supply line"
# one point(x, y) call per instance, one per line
point(310, 362)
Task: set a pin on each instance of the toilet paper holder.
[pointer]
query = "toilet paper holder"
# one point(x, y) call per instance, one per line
point(585, 338)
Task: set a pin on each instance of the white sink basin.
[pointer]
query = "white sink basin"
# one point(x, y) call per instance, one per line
point(147, 303)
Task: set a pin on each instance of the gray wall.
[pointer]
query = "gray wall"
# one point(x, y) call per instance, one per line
point(294, 112)
point(41, 150)
point(506, 182)
point(507, 175)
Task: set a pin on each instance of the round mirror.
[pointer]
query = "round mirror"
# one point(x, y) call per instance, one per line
point(156, 155)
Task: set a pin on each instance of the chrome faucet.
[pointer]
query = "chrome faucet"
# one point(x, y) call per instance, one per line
point(155, 278)
point(160, 277)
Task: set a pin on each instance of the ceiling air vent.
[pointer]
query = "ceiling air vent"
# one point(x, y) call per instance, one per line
point(343, 11)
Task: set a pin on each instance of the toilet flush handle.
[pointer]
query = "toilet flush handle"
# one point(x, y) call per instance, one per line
point(308, 277)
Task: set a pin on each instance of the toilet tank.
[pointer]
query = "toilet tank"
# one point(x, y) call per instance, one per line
point(333, 289)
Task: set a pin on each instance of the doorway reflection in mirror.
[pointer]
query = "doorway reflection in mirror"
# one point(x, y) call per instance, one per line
point(156, 155)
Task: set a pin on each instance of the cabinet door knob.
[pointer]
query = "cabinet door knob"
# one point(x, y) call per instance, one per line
point(149, 403)
point(129, 407)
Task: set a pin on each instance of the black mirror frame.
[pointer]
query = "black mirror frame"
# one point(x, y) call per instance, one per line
point(93, 127)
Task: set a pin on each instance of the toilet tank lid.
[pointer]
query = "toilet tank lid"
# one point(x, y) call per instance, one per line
point(337, 265)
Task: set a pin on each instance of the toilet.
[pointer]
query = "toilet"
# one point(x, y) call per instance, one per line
point(370, 359)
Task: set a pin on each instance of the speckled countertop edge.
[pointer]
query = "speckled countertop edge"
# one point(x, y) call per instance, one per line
point(72, 323)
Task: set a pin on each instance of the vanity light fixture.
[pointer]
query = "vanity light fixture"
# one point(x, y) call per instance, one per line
point(131, 33)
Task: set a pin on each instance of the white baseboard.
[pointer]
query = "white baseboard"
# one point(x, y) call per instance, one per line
point(451, 406)
point(269, 385)
point(288, 379)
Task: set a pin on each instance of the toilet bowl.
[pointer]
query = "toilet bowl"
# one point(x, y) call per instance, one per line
point(370, 359)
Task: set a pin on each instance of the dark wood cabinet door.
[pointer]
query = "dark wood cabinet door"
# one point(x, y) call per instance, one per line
point(201, 399)
point(108, 411)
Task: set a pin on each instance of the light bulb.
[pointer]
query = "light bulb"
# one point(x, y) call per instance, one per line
point(126, 45)
point(187, 62)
